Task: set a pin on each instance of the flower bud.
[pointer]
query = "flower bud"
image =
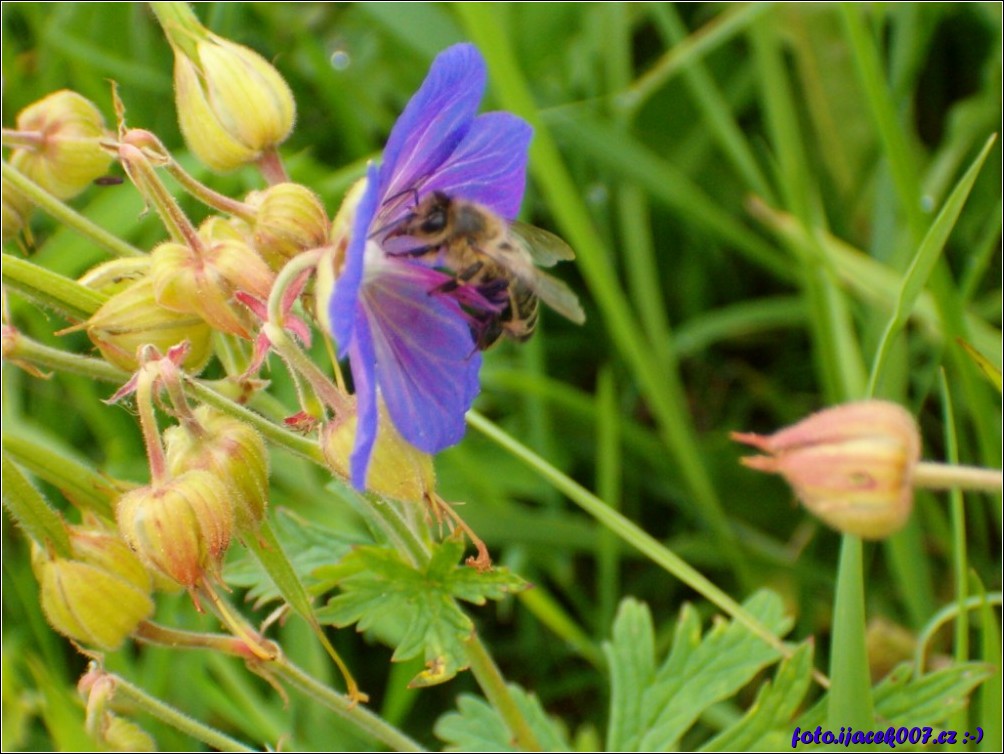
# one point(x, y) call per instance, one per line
point(235, 454)
point(115, 275)
point(290, 219)
point(851, 465)
point(180, 528)
point(67, 156)
point(97, 597)
point(204, 281)
point(232, 104)
point(397, 468)
point(132, 318)
point(16, 209)
point(120, 734)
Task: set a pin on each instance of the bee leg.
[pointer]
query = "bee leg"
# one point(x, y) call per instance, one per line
point(451, 285)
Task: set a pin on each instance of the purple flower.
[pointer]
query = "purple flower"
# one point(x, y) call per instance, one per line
point(409, 344)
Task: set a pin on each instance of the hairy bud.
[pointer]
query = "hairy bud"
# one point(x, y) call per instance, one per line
point(132, 318)
point(235, 454)
point(180, 528)
point(98, 596)
point(851, 465)
point(67, 156)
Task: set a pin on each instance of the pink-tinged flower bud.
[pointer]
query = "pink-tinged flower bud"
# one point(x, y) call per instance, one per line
point(67, 156)
point(180, 528)
point(235, 454)
point(851, 465)
point(290, 218)
point(204, 281)
point(397, 469)
point(132, 318)
point(98, 596)
point(232, 104)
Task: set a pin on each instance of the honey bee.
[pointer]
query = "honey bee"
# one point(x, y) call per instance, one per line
point(497, 258)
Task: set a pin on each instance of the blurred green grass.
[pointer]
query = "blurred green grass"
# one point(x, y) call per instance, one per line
point(656, 125)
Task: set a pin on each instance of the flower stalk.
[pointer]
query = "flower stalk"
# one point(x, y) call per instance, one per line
point(932, 475)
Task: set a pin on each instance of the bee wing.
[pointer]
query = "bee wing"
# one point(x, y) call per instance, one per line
point(556, 294)
point(544, 247)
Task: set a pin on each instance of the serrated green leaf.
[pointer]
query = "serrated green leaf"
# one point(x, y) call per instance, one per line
point(767, 724)
point(631, 658)
point(651, 710)
point(902, 699)
point(415, 609)
point(478, 727)
point(699, 672)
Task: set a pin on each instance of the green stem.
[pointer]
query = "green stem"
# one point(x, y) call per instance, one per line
point(945, 476)
point(176, 638)
point(143, 174)
point(81, 484)
point(630, 533)
point(365, 720)
point(31, 511)
point(208, 196)
point(50, 289)
point(497, 693)
point(67, 216)
point(958, 518)
point(27, 349)
point(181, 26)
point(176, 719)
point(943, 616)
point(14, 139)
point(148, 424)
point(680, 57)
point(663, 391)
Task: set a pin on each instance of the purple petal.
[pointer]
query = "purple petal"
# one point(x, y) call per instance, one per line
point(435, 120)
point(342, 311)
point(363, 360)
point(426, 361)
point(489, 165)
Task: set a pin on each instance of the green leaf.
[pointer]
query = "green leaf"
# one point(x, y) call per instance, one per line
point(415, 608)
point(990, 371)
point(651, 710)
point(902, 699)
point(478, 727)
point(767, 723)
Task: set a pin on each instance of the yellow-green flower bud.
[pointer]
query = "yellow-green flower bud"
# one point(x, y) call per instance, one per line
point(120, 734)
point(16, 209)
point(115, 275)
point(203, 282)
point(290, 219)
point(397, 468)
point(180, 528)
point(233, 451)
point(98, 596)
point(132, 318)
point(232, 104)
point(851, 465)
point(67, 156)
